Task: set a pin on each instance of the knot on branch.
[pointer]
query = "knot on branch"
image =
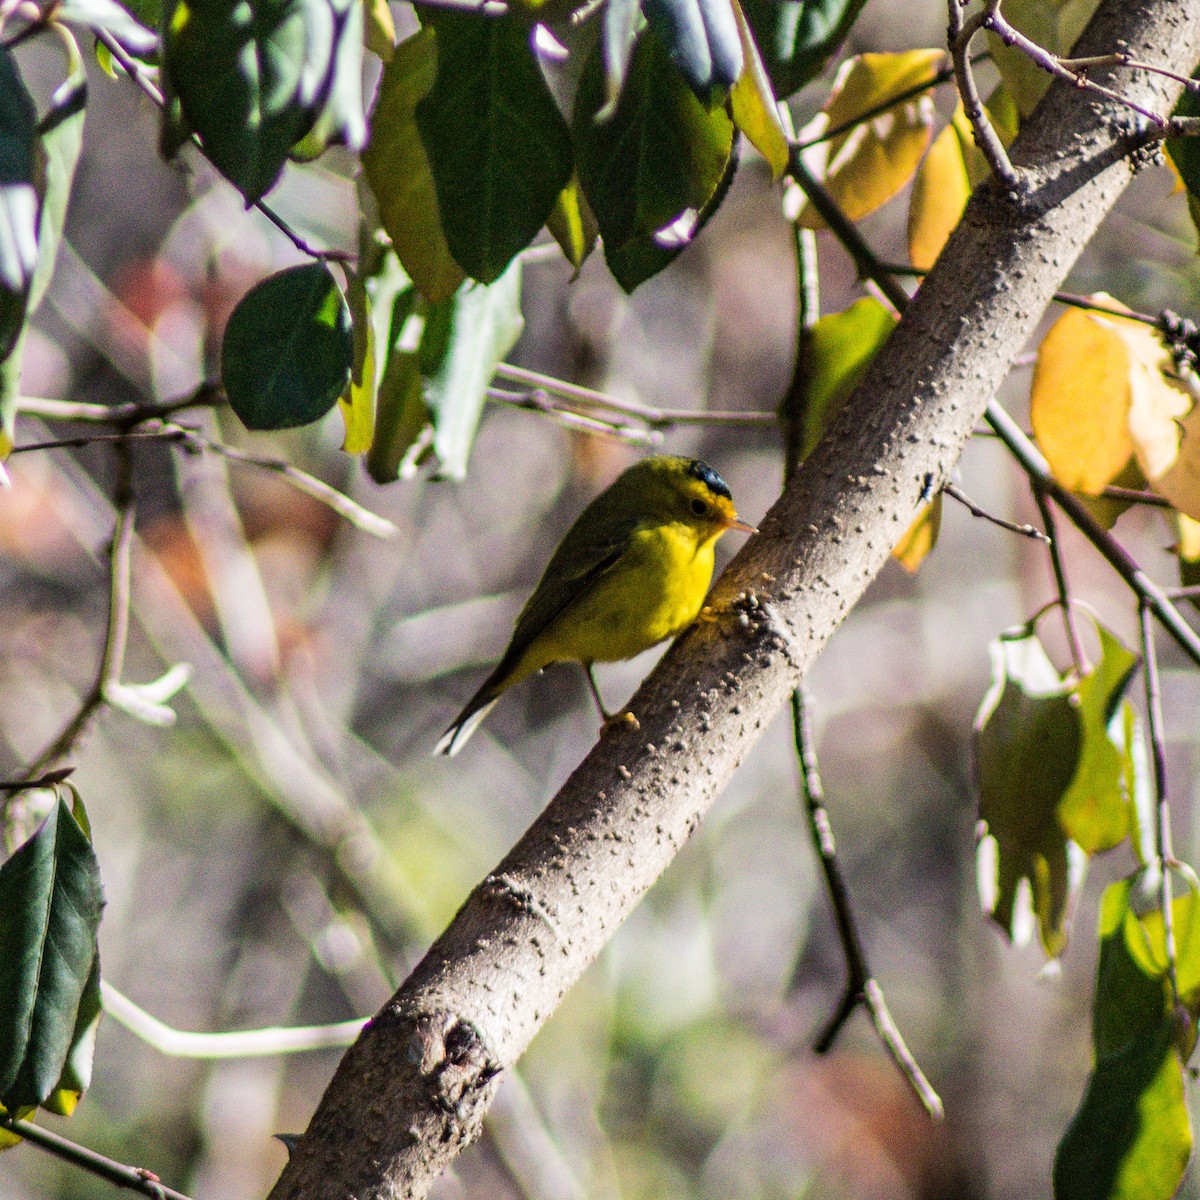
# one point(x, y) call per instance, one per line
point(457, 1070)
point(1182, 338)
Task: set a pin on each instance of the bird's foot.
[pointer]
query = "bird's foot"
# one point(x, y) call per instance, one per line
point(620, 720)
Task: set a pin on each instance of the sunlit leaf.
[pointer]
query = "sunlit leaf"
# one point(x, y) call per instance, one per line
point(702, 39)
point(836, 351)
point(1080, 400)
point(920, 537)
point(114, 18)
point(484, 325)
point(1095, 812)
point(499, 148)
point(18, 200)
point(572, 224)
point(753, 106)
point(940, 192)
point(869, 163)
point(661, 156)
point(337, 100)
point(797, 40)
point(237, 72)
point(50, 899)
point(397, 169)
point(380, 32)
point(1131, 1138)
point(288, 349)
point(1028, 742)
point(1054, 25)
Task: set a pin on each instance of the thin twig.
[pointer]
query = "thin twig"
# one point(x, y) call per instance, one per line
point(958, 37)
point(1016, 441)
point(208, 395)
point(135, 1179)
point(112, 656)
point(150, 89)
point(956, 493)
point(242, 1043)
point(861, 986)
point(1164, 852)
point(1135, 496)
point(540, 401)
point(1078, 658)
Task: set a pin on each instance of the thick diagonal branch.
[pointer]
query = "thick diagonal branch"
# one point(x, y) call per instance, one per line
point(413, 1089)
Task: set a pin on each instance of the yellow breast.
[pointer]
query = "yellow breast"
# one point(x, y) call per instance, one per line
point(653, 592)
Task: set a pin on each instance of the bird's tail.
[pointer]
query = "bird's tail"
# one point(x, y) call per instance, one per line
point(467, 721)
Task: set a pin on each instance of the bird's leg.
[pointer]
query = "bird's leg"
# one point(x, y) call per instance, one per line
point(610, 719)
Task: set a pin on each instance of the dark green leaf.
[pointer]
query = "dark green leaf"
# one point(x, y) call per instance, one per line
point(797, 37)
point(50, 899)
point(1028, 741)
point(77, 1072)
point(1131, 1138)
point(1185, 151)
point(499, 148)
point(288, 349)
point(660, 157)
point(401, 418)
point(397, 169)
point(18, 200)
point(702, 39)
point(618, 33)
point(245, 75)
point(485, 322)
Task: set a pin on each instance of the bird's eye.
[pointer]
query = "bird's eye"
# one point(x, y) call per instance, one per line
point(699, 507)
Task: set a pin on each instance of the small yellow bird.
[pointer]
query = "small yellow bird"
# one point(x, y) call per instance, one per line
point(632, 571)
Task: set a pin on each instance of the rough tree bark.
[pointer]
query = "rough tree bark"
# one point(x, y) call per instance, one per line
point(412, 1091)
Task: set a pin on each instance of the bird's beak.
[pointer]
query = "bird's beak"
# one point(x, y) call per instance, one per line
point(744, 526)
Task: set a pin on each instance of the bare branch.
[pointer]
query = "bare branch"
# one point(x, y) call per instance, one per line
point(956, 493)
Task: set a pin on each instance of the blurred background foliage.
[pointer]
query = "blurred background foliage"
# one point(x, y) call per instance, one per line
point(286, 852)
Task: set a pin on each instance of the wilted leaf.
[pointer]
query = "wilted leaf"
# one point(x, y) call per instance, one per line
point(837, 350)
point(940, 192)
point(869, 163)
point(499, 148)
point(1096, 813)
point(1028, 742)
point(1080, 400)
point(797, 40)
point(660, 157)
point(288, 349)
point(753, 106)
point(701, 37)
point(920, 537)
point(1131, 1138)
point(50, 899)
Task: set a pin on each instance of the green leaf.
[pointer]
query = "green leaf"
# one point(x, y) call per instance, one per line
point(18, 200)
point(836, 350)
point(50, 899)
point(340, 120)
point(701, 37)
point(797, 38)
point(753, 106)
point(1028, 741)
point(1095, 811)
point(1131, 1138)
point(397, 169)
point(77, 1072)
point(1185, 151)
point(484, 324)
point(572, 224)
point(113, 18)
point(380, 33)
point(499, 148)
point(402, 418)
point(245, 74)
point(618, 33)
point(288, 349)
point(660, 157)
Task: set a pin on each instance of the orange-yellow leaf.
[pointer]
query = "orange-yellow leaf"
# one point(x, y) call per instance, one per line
point(1080, 400)
point(920, 537)
point(939, 195)
point(867, 164)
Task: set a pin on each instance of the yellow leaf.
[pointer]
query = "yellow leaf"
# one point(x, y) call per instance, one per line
point(939, 195)
point(867, 164)
point(357, 404)
point(1080, 401)
point(753, 106)
point(920, 537)
point(379, 30)
point(397, 169)
point(572, 224)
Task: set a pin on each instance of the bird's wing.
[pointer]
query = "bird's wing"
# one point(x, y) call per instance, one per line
point(573, 570)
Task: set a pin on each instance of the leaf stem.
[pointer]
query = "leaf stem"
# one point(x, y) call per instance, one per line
point(1078, 658)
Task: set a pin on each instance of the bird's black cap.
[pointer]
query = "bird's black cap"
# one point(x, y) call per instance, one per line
point(709, 477)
